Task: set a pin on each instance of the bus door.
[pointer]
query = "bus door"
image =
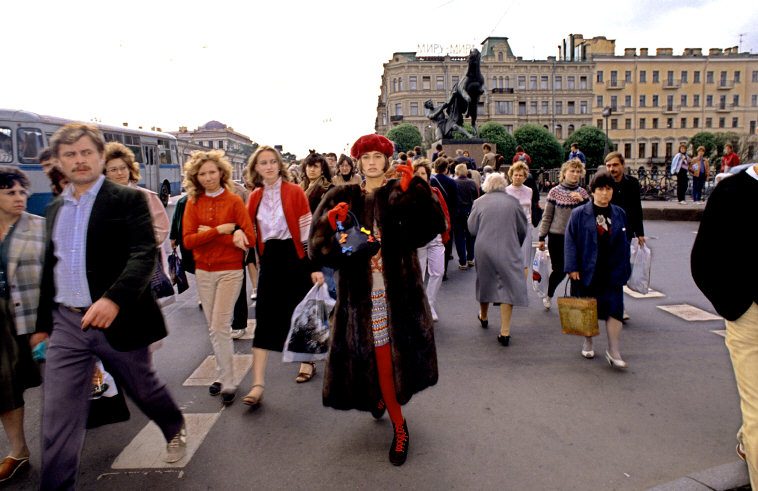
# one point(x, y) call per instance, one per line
point(151, 167)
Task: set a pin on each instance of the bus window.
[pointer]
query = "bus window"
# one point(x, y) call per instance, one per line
point(6, 145)
point(30, 144)
point(163, 152)
point(131, 140)
point(137, 152)
point(113, 137)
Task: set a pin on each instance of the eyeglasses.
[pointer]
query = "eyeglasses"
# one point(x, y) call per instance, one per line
point(117, 170)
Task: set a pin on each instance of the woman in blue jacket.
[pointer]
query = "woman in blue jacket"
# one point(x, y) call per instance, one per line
point(597, 260)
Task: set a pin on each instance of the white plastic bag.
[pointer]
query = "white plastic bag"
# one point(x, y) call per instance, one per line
point(308, 339)
point(641, 259)
point(541, 269)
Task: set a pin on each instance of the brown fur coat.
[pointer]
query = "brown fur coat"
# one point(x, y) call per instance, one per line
point(406, 220)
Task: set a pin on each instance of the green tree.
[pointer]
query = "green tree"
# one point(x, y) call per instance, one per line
point(705, 139)
point(540, 144)
point(495, 133)
point(591, 141)
point(405, 136)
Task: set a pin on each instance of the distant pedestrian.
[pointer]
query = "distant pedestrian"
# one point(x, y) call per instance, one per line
point(597, 261)
point(730, 159)
point(437, 151)
point(346, 172)
point(680, 166)
point(489, 157)
point(467, 193)
point(561, 200)
point(522, 156)
point(700, 169)
point(499, 226)
point(577, 154)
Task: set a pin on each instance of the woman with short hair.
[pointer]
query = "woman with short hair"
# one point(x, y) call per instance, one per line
point(517, 174)
point(700, 170)
point(346, 172)
point(499, 226)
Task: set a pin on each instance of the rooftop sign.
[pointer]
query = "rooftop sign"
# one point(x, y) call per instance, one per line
point(452, 49)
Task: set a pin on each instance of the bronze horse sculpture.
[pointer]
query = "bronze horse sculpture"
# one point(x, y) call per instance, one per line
point(463, 101)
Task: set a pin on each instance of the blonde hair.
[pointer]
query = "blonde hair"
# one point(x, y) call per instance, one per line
point(494, 182)
point(192, 167)
point(461, 170)
point(255, 178)
point(116, 150)
point(518, 166)
point(573, 163)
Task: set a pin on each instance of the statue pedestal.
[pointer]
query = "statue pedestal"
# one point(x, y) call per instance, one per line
point(472, 145)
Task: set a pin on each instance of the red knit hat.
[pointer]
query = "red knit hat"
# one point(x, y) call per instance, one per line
point(372, 143)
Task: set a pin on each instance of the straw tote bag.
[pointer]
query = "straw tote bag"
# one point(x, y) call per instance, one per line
point(578, 315)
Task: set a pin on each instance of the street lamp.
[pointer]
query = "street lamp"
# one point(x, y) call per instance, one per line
point(607, 111)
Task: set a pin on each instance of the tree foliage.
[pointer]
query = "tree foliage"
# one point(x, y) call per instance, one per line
point(591, 141)
point(405, 136)
point(540, 144)
point(705, 139)
point(496, 133)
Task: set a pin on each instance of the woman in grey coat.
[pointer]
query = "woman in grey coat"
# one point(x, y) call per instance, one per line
point(500, 227)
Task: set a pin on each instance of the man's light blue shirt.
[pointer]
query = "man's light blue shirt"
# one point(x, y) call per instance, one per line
point(70, 241)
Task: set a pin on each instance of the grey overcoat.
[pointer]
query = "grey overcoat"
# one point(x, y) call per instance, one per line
point(499, 225)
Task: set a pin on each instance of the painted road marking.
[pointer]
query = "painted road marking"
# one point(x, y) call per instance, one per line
point(689, 313)
point(650, 294)
point(205, 374)
point(147, 449)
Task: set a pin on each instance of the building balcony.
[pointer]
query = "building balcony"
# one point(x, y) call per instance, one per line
point(615, 84)
point(501, 90)
point(724, 108)
point(672, 84)
point(672, 109)
point(396, 118)
point(726, 84)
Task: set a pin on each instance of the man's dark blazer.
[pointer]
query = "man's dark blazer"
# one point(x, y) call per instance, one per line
point(626, 194)
point(121, 256)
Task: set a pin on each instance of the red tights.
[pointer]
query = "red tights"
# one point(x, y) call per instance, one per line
point(387, 383)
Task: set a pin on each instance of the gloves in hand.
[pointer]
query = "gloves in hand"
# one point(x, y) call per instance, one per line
point(406, 174)
point(338, 213)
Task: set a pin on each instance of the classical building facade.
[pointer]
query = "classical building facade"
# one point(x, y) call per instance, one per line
point(652, 101)
point(216, 135)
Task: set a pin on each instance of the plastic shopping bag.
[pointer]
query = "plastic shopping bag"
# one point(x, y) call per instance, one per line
point(541, 269)
point(176, 272)
point(308, 339)
point(641, 259)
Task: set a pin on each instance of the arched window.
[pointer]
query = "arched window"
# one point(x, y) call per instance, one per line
point(499, 56)
point(558, 131)
point(500, 82)
point(570, 130)
point(494, 82)
point(507, 82)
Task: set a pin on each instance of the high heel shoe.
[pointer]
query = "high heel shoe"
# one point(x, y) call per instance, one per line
point(303, 377)
point(504, 340)
point(615, 362)
point(484, 322)
point(252, 400)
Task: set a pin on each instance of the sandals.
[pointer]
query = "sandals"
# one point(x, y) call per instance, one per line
point(251, 400)
point(303, 377)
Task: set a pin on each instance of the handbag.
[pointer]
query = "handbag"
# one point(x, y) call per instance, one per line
point(107, 402)
point(352, 239)
point(639, 280)
point(176, 272)
point(578, 315)
point(160, 285)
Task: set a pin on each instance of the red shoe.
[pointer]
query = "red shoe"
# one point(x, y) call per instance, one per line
point(10, 466)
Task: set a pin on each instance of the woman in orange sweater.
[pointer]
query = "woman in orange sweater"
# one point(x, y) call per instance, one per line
point(282, 222)
point(215, 227)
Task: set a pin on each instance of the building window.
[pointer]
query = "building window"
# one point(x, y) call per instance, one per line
point(571, 82)
point(684, 76)
point(709, 122)
point(696, 100)
point(709, 77)
point(494, 82)
point(499, 56)
point(642, 123)
point(558, 82)
point(735, 122)
point(723, 78)
point(503, 107)
point(614, 77)
point(735, 100)
point(683, 100)
point(655, 101)
point(600, 76)
point(722, 122)
point(521, 82)
point(614, 123)
point(614, 102)
point(400, 84)
point(394, 85)
point(627, 150)
point(722, 102)
point(683, 123)
point(559, 131)
point(544, 80)
point(669, 149)
point(670, 102)
point(456, 78)
point(643, 76)
point(412, 83)
point(669, 123)
point(627, 101)
point(641, 151)
point(533, 107)
point(755, 75)
point(599, 101)
point(642, 101)
point(695, 122)
point(522, 108)
point(559, 107)
point(599, 123)
point(655, 123)
point(654, 150)
point(656, 77)
point(426, 83)
point(440, 85)
point(670, 77)
point(737, 77)
point(696, 77)
point(628, 124)
point(571, 107)
point(570, 130)
point(398, 109)
point(414, 108)
point(545, 109)
point(754, 100)
point(583, 82)
point(709, 101)
point(583, 107)
point(533, 82)
point(628, 76)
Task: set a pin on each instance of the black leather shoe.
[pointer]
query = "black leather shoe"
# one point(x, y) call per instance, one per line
point(227, 398)
point(485, 322)
point(379, 409)
point(214, 389)
point(504, 340)
point(400, 444)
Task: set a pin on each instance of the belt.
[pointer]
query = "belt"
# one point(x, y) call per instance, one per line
point(76, 310)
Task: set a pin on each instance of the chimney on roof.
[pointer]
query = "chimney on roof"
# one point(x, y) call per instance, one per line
point(630, 51)
point(714, 52)
point(664, 52)
point(643, 51)
point(125, 124)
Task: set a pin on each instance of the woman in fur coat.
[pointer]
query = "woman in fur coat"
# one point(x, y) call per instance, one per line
point(382, 345)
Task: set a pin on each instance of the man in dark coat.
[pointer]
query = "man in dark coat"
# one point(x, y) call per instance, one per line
point(626, 194)
point(382, 348)
point(731, 286)
point(442, 181)
point(95, 301)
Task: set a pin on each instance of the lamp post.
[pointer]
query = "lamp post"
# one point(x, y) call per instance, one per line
point(607, 111)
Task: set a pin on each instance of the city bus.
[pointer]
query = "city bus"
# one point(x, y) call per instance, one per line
point(23, 135)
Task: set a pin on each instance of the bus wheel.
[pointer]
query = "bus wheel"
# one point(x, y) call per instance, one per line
point(165, 193)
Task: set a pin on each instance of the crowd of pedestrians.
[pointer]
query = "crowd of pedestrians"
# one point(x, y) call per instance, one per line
point(77, 282)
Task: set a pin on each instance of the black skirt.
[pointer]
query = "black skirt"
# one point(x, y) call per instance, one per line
point(283, 281)
point(18, 371)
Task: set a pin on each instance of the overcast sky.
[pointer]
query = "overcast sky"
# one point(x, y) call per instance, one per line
point(301, 74)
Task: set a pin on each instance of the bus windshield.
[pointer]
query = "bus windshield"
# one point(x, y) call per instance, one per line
point(6, 145)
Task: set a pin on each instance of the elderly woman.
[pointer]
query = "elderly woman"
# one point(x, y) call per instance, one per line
point(346, 172)
point(597, 261)
point(500, 226)
point(700, 169)
point(517, 174)
point(122, 168)
point(216, 228)
point(561, 200)
point(467, 193)
point(281, 220)
point(22, 248)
